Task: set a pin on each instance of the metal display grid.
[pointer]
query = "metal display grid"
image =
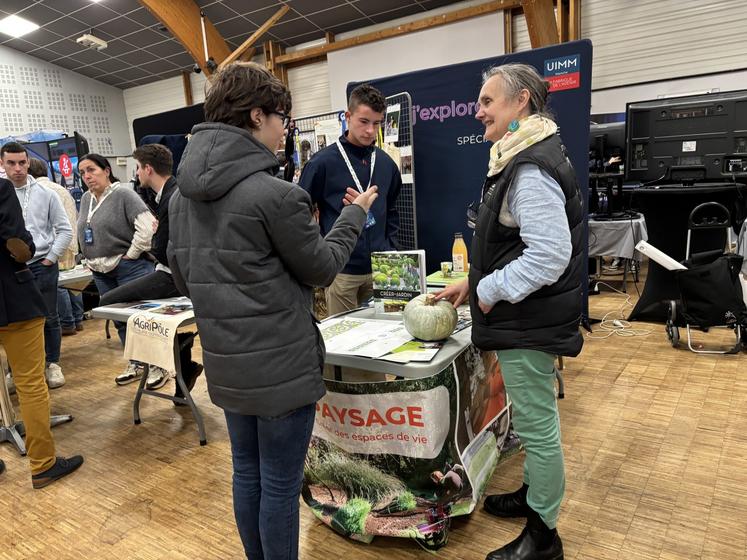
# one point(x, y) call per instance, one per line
point(408, 227)
point(305, 125)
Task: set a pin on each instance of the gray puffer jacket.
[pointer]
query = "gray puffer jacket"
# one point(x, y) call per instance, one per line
point(245, 248)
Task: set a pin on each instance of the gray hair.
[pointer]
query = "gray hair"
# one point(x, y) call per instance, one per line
point(522, 76)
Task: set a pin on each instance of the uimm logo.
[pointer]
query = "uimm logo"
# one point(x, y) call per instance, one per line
point(563, 73)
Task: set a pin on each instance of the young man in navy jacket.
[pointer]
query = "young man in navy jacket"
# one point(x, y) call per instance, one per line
point(354, 162)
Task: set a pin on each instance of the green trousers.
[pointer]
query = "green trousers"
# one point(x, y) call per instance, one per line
point(529, 376)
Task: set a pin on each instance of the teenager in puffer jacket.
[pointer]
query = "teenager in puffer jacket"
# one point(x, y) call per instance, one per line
point(245, 248)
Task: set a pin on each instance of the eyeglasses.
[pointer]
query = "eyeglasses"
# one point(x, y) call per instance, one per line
point(286, 117)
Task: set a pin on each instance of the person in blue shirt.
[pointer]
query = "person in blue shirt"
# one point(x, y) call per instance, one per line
point(354, 162)
point(524, 289)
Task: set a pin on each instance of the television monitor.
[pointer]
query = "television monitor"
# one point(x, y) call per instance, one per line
point(72, 182)
point(606, 141)
point(699, 138)
point(81, 144)
point(40, 150)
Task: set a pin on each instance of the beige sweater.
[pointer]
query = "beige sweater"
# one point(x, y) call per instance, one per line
point(67, 260)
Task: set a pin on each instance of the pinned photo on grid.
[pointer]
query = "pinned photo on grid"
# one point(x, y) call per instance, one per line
point(405, 155)
point(391, 123)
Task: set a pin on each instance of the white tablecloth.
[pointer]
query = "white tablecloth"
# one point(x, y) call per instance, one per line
point(617, 238)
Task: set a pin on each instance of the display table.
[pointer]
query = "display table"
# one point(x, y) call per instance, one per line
point(617, 238)
point(75, 279)
point(667, 209)
point(401, 457)
point(122, 312)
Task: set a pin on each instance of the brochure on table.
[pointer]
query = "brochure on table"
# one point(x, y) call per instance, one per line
point(438, 278)
point(370, 338)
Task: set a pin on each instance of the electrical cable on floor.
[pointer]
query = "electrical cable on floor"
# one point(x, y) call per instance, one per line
point(618, 326)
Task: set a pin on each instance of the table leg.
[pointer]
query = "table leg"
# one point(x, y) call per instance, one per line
point(10, 433)
point(179, 380)
point(561, 384)
point(140, 391)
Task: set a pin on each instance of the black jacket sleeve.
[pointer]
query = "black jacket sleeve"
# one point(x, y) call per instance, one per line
point(12, 224)
point(161, 237)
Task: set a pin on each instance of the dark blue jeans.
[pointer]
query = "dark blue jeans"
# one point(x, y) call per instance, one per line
point(268, 458)
point(126, 271)
point(45, 278)
point(70, 308)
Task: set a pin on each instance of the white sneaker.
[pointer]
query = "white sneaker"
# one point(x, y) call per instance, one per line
point(10, 384)
point(157, 377)
point(54, 376)
point(131, 373)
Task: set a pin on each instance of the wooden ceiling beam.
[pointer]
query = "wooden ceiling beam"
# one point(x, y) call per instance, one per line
point(561, 11)
point(254, 36)
point(418, 25)
point(182, 19)
point(541, 23)
point(187, 85)
point(248, 55)
point(508, 31)
point(574, 20)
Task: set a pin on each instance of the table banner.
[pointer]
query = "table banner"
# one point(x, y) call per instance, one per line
point(399, 458)
point(151, 333)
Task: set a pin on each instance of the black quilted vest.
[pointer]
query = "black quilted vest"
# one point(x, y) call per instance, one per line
point(548, 319)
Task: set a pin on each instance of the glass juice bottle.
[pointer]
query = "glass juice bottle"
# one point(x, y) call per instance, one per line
point(459, 253)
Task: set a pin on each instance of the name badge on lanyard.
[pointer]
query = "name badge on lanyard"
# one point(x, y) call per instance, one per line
point(88, 232)
point(370, 220)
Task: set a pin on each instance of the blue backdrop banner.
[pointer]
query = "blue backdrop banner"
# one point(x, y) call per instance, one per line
point(450, 153)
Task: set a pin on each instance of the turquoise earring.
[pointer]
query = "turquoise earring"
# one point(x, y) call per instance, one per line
point(513, 126)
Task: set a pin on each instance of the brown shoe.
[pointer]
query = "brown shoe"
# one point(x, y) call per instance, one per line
point(69, 331)
point(79, 326)
point(62, 467)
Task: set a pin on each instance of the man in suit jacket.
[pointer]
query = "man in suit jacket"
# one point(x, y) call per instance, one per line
point(154, 165)
point(22, 313)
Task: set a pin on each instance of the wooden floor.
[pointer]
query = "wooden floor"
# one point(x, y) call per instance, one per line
point(655, 443)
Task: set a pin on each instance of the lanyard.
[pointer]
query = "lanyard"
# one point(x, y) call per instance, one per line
point(27, 196)
point(91, 209)
point(350, 167)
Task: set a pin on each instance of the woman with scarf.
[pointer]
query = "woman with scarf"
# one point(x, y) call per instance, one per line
point(524, 289)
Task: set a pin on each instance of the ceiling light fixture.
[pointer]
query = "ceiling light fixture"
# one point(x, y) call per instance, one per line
point(16, 26)
point(91, 41)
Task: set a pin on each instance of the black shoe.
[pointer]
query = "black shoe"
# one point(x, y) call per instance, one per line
point(61, 468)
point(508, 505)
point(190, 378)
point(2, 466)
point(536, 542)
